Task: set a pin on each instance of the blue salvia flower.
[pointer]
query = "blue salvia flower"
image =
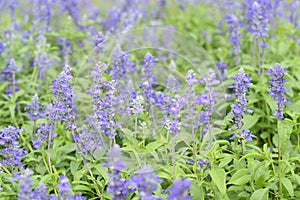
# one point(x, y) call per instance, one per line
point(9, 75)
point(42, 135)
point(258, 15)
point(113, 21)
point(175, 106)
point(65, 191)
point(222, 69)
point(235, 34)
point(121, 65)
point(146, 182)
point(277, 90)
point(42, 12)
point(10, 151)
point(2, 47)
point(207, 99)
point(43, 62)
point(241, 87)
point(180, 190)
point(99, 42)
point(66, 49)
point(35, 110)
point(63, 104)
point(89, 141)
point(148, 67)
point(26, 187)
point(118, 186)
point(72, 7)
point(190, 96)
point(105, 103)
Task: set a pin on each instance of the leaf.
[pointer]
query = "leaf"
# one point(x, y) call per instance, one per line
point(285, 129)
point(240, 177)
point(82, 188)
point(219, 178)
point(288, 186)
point(254, 155)
point(250, 121)
point(74, 167)
point(261, 194)
point(225, 160)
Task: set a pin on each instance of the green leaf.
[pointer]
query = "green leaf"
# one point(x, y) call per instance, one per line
point(261, 194)
point(219, 178)
point(225, 160)
point(285, 129)
point(240, 177)
point(250, 121)
point(288, 186)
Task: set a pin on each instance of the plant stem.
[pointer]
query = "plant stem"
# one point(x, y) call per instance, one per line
point(48, 153)
point(279, 169)
point(174, 157)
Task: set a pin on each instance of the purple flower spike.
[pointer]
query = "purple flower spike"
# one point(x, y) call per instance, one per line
point(277, 90)
point(235, 35)
point(10, 151)
point(258, 15)
point(146, 182)
point(240, 87)
point(118, 186)
point(180, 190)
point(35, 110)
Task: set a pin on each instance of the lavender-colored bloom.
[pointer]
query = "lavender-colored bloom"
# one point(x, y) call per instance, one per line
point(180, 190)
point(172, 84)
point(72, 8)
point(148, 67)
point(246, 134)
point(222, 69)
point(66, 48)
point(89, 141)
point(42, 12)
point(26, 187)
point(9, 75)
point(99, 42)
point(65, 191)
point(146, 182)
point(63, 105)
point(113, 21)
point(41, 136)
point(235, 34)
point(118, 186)
point(190, 78)
point(2, 47)
point(121, 65)
point(11, 152)
point(207, 99)
point(137, 104)
point(35, 110)
point(240, 87)
point(43, 62)
point(258, 15)
point(277, 90)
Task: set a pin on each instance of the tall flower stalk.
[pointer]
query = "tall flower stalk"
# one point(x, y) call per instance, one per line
point(278, 91)
point(259, 17)
point(241, 87)
point(234, 29)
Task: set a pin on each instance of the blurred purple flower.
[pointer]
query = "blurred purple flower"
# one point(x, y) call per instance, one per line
point(180, 190)
point(146, 182)
point(118, 186)
point(35, 110)
point(277, 90)
point(65, 191)
point(11, 152)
